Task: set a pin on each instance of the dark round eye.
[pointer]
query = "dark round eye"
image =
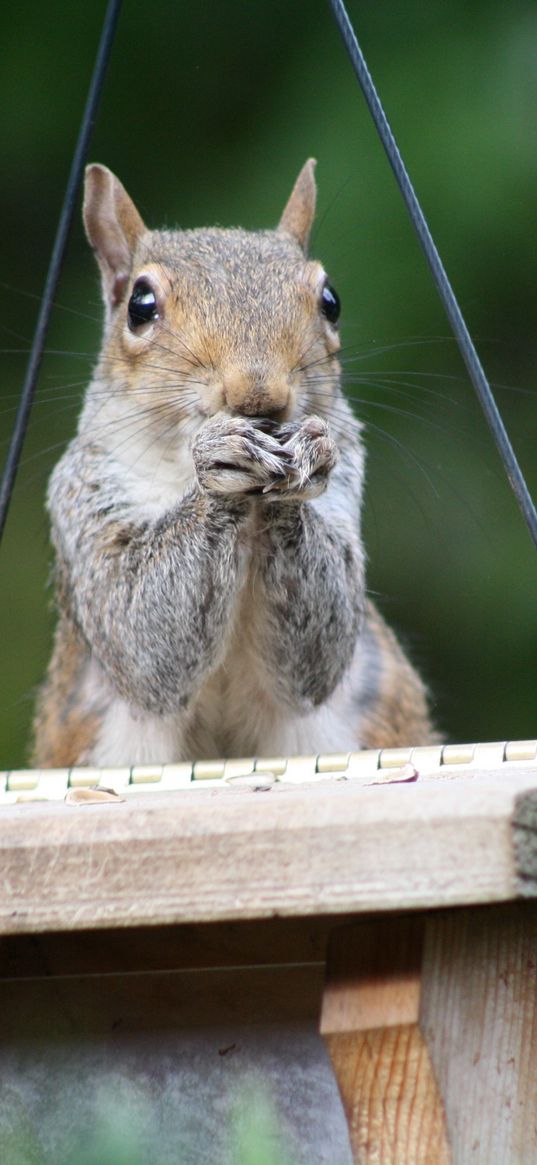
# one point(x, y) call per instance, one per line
point(330, 305)
point(142, 305)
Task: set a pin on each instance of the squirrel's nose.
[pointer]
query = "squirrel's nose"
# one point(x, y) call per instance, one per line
point(255, 395)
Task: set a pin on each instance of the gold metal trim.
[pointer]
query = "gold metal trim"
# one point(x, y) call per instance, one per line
point(52, 784)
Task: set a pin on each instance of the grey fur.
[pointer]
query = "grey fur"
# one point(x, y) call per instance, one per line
point(150, 598)
point(206, 519)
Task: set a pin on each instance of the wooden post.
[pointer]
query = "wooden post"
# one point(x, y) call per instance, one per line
point(431, 1026)
point(479, 1016)
point(370, 1025)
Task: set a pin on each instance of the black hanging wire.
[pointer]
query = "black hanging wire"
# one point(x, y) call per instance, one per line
point(56, 259)
point(443, 285)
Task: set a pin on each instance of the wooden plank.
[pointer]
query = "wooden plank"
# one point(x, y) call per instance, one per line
point(265, 942)
point(369, 1021)
point(479, 1016)
point(391, 1101)
point(373, 975)
point(234, 854)
point(88, 1007)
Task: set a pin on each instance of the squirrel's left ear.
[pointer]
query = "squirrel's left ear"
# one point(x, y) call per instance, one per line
point(299, 213)
point(113, 227)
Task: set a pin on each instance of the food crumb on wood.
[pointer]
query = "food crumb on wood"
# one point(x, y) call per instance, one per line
point(95, 795)
point(394, 776)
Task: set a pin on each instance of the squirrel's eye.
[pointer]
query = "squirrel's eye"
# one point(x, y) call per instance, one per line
point(330, 305)
point(142, 305)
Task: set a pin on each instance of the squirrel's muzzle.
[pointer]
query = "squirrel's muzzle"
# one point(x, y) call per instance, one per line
point(255, 395)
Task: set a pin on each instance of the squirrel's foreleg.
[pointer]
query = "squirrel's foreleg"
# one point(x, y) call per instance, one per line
point(312, 583)
point(153, 600)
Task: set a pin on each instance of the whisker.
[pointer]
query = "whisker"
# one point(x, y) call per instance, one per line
point(384, 381)
point(55, 303)
point(378, 380)
point(405, 452)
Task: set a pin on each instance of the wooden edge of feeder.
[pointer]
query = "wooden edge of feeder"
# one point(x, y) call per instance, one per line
point(454, 837)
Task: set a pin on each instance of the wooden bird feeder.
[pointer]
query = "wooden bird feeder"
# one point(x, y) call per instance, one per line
point(387, 896)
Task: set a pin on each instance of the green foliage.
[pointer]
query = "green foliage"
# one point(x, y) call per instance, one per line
point(256, 1136)
point(122, 1137)
point(208, 113)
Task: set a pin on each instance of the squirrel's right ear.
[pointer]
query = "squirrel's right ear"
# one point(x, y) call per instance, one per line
point(113, 227)
point(298, 216)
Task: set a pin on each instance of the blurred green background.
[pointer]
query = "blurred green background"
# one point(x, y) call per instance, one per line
point(252, 1132)
point(208, 113)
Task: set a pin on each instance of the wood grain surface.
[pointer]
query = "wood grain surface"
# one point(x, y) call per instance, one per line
point(390, 1097)
point(478, 1014)
point(369, 1020)
point(218, 855)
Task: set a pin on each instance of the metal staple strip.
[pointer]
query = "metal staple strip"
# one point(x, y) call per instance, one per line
point(366, 767)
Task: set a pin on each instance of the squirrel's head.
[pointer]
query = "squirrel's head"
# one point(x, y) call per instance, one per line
point(200, 321)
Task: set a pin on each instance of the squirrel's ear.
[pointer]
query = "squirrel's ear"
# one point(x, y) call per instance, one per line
point(113, 227)
point(299, 213)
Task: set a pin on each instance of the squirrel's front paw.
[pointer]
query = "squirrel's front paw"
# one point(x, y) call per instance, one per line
point(312, 454)
point(235, 455)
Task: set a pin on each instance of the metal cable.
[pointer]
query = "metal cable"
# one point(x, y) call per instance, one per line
point(439, 274)
point(443, 285)
point(56, 259)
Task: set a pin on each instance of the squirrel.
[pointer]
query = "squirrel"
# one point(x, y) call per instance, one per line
point(210, 571)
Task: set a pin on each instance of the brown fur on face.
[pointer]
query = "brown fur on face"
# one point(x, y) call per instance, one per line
point(237, 322)
point(210, 347)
